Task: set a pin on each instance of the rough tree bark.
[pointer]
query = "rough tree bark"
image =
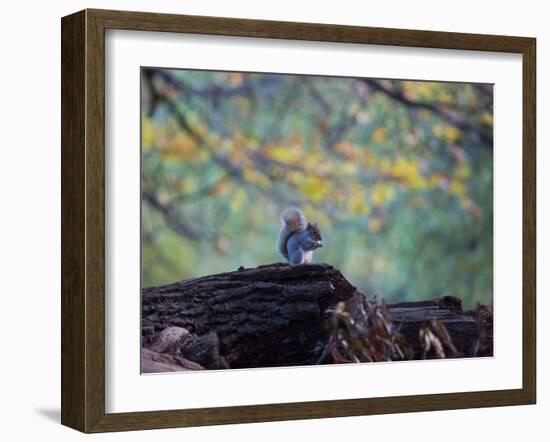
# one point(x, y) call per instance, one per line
point(469, 336)
point(272, 315)
point(267, 316)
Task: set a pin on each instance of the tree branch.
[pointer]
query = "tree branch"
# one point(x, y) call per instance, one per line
point(449, 117)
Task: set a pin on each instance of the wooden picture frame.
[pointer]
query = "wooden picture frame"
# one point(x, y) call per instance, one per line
point(83, 220)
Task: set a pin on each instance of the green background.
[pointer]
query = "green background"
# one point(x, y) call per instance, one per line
point(398, 175)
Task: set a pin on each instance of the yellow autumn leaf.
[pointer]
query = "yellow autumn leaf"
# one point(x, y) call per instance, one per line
point(349, 168)
point(424, 114)
point(403, 168)
point(180, 146)
point(314, 188)
point(368, 159)
point(237, 200)
point(148, 134)
point(380, 134)
point(409, 91)
point(457, 188)
point(424, 89)
point(283, 154)
point(452, 134)
point(253, 176)
point(357, 204)
point(463, 172)
point(487, 118)
point(313, 163)
point(223, 243)
point(382, 193)
point(384, 165)
point(438, 130)
point(187, 185)
point(445, 97)
point(417, 182)
point(435, 180)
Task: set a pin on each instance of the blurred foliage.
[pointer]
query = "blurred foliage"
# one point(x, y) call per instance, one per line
point(398, 174)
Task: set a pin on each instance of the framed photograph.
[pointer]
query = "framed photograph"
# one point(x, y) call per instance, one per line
point(270, 220)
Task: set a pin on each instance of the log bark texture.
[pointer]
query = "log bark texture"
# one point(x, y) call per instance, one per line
point(276, 315)
point(267, 316)
point(469, 335)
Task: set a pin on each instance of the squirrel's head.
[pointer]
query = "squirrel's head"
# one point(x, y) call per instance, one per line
point(315, 233)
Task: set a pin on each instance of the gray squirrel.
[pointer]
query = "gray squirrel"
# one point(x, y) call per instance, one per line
point(297, 240)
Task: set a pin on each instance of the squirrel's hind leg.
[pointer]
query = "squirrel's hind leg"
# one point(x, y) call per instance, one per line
point(296, 257)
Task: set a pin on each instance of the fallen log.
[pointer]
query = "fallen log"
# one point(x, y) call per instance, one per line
point(266, 316)
point(276, 315)
point(471, 334)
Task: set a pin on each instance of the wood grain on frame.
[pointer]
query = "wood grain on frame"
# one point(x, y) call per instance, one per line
point(83, 220)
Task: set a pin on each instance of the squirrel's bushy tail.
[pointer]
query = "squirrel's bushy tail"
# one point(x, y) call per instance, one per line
point(292, 220)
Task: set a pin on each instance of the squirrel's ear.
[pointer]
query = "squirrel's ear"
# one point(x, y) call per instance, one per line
point(309, 225)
